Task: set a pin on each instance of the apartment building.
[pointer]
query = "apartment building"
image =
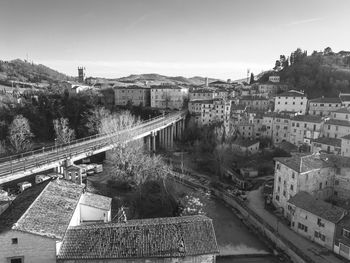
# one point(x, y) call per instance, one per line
point(324, 106)
point(276, 127)
point(325, 144)
point(291, 100)
point(245, 146)
point(345, 99)
point(345, 145)
point(134, 95)
point(255, 102)
point(216, 110)
point(314, 218)
point(168, 97)
point(309, 173)
point(305, 128)
point(202, 94)
point(335, 128)
point(342, 238)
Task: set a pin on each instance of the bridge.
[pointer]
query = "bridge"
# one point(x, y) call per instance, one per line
point(159, 131)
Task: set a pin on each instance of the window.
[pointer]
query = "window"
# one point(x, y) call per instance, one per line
point(298, 124)
point(293, 175)
point(291, 187)
point(277, 198)
point(346, 233)
point(305, 125)
point(284, 193)
point(278, 167)
point(16, 260)
point(320, 236)
point(319, 222)
point(14, 241)
point(302, 227)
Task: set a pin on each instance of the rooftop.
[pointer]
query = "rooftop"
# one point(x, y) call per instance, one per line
point(291, 93)
point(308, 118)
point(338, 122)
point(344, 97)
point(253, 98)
point(304, 163)
point(146, 238)
point(45, 209)
point(326, 100)
point(245, 142)
point(317, 207)
point(342, 110)
point(218, 82)
point(328, 141)
point(97, 201)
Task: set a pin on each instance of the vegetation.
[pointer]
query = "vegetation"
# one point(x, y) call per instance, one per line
point(62, 131)
point(320, 74)
point(20, 135)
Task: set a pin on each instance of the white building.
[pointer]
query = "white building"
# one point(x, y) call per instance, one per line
point(217, 110)
point(33, 227)
point(292, 100)
point(324, 106)
point(165, 96)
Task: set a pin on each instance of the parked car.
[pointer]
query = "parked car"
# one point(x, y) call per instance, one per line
point(23, 186)
point(41, 178)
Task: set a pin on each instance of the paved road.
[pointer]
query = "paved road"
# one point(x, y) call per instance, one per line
point(36, 160)
point(313, 250)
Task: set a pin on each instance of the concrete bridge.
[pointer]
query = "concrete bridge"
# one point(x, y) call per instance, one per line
point(160, 131)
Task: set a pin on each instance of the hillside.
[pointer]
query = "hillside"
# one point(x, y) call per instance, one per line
point(156, 79)
point(320, 74)
point(20, 70)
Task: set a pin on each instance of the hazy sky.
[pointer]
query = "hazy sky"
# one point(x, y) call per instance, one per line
point(217, 38)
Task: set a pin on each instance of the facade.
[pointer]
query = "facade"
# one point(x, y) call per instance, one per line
point(324, 106)
point(345, 145)
point(168, 97)
point(134, 95)
point(328, 145)
point(305, 128)
point(291, 100)
point(202, 94)
point(271, 88)
point(255, 102)
point(314, 218)
point(246, 147)
point(172, 239)
point(345, 99)
point(276, 127)
point(217, 110)
point(33, 226)
point(334, 128)
point(309, 173)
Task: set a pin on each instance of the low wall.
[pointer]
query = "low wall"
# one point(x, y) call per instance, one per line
point(254, 221)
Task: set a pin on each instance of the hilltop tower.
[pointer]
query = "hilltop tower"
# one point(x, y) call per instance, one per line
point(81, 74)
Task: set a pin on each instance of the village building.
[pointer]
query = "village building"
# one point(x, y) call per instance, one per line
point(216, 110)
point(323, 106)
point(172, 239)
point(271, 88)
point(291, 100)
point(245, 146)
point(133, 95)
point(220, 84)
point(33, 227)
point(342, 238)
point(314, 219)
point(255, 102)
point(276, 126)
point(309, 173)
point(345, 145)
point(345, 99)
point(168, 97)
point(73, 88)
point(327, 145)
point(245, 130)
point(335, 128)
point(305, 128)
point(202, 94)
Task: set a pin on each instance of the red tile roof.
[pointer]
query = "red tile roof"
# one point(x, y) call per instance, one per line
point(304, 163)
point(146, 238)
point(97, 201)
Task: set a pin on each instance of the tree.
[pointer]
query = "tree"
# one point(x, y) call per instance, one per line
point(3, 149)
point(62, 131)
point(20, 136)
point(328, 51)
point(94, 118)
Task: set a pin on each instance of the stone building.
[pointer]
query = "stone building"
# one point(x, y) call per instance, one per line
point(325, 144)
point(314, 219)
point(135, 95)
point(255, 102)
point(323, 106)
point(291, 100)
point(168, 97)
point(305, 128)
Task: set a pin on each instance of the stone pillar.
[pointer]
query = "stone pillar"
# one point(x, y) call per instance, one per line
point(171, 136)
point(179, 124)
point(175, 131)
point(79, 180)
point(154, 141)
point(161, 139)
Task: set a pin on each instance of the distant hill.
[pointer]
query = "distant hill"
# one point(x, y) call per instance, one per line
point(20, 70)
point(320, 74)
point(156, 79)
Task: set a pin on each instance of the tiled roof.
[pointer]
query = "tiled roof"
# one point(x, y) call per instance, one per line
point(338, 122)
point(304, 163)
point(97, 201)
point(342, 110)
point(326, 100)
point(291, 93)
point(287, 146)
point(345, 97)
point(328, 141)
point(253, 98)
point(245, 142)
point(44, 209)
point(203, 91)
point(308, 118)
point(144, 238)
point(317, 207)
point(346, 137)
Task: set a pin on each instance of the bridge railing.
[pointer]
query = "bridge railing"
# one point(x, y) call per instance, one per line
point(64, 147)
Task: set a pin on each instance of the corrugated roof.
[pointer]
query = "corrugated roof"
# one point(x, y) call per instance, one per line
point(97, 201)
point(146, 238)
point(317, 207)
point(44, 209)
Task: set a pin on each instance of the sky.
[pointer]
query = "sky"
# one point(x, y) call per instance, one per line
point(214, 38)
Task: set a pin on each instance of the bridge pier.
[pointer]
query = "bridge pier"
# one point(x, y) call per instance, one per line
point(154, 136)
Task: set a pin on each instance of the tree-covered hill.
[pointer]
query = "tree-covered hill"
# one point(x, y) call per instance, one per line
point(20, 70)
point(319, 74)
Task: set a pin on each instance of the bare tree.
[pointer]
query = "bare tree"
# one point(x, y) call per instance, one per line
point(63, 133)
point(94, 118)
point(20, 136)
point(3, 149)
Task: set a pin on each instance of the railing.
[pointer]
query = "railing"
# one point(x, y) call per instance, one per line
point(24, 161)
